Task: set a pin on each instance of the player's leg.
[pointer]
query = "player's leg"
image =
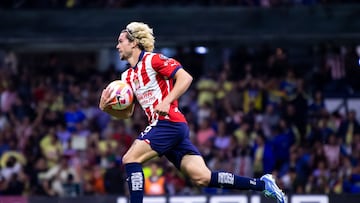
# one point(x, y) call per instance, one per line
point(195, 168)
point(199, 173)
point(186, 157)
point(189, 160)
point(138, 153)
point(153, 141)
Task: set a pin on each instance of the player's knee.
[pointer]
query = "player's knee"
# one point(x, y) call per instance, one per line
point(201, 180)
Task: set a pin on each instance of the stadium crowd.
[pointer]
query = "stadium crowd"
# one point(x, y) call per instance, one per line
point(255, 114)
point(71, 4)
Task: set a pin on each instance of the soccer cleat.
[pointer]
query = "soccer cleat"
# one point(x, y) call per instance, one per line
point(272, 190)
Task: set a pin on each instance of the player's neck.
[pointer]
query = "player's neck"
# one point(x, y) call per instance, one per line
point(133, 60)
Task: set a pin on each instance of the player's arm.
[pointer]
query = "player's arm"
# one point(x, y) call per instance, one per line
point(104, 106)
point(171, 68)
point(182, 82)
point(121, 114)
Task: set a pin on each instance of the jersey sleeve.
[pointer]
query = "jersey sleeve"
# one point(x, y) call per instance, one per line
point(165, 66)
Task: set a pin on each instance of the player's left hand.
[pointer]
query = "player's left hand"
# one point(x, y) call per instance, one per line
point(162, 109)
point(105, 98)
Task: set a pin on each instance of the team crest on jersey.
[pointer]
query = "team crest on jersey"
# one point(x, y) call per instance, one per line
point(161, 56)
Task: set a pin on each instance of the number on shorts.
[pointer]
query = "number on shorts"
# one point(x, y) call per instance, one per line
point(147, 129)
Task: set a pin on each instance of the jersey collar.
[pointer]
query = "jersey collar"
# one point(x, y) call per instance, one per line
point(140, 58)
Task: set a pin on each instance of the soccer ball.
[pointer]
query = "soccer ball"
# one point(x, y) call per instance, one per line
point(121, 94)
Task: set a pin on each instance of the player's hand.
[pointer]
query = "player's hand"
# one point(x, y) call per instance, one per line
point(162, 109)
point(105, 98)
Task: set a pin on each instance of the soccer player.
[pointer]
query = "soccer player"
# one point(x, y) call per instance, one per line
point(157, 82)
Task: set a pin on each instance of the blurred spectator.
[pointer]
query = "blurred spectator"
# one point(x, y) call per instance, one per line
point(51, 148)
point(351, 60)
point(336, 182)
point(332, 151)
point(8, 97)
point(175, 182)
point(242, 133)
point(244, 161)
point(33, 169)
point(98, 180)
point(222, 139)
point(71, 189)
point(114, 179)
point(63, 135)
point(221, 161)
point(3, 145)
point(335, 65)
point(269, 120)
point(235, 101)
point(2, 185)
point(206, 87)
point(300, 104)
point(155, 183)
point(64, 178)
point(289, 84)
point(281, 142)
point(290, 182)
point(321, 175)
point(253, 97)
point(348, 128)
point(275, 95)
point(123, 138)
point(15, 185)
point(292, 173)
point(73, 116)
point(317, 104)
point(205, 132)
point(11, 163)
point(11, 62)
point(224, 85)
point(277, 63)
point(264, 160)
point(319, 131)
point(293, 122)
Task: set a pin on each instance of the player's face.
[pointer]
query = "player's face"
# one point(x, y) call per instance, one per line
point(124, 46)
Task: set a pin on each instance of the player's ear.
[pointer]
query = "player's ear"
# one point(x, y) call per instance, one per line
point(134, 44)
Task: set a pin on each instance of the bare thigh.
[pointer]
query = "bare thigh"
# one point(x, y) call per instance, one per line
point(139, 152)
point(195, 168)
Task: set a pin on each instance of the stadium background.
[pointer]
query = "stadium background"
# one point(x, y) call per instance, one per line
point(276, 90)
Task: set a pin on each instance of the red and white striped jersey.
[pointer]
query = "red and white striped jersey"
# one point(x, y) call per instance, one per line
point(152, 80)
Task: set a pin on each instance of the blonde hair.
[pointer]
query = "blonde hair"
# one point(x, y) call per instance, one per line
point(142, 34)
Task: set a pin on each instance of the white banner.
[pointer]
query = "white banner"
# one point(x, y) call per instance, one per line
point(227, 199)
